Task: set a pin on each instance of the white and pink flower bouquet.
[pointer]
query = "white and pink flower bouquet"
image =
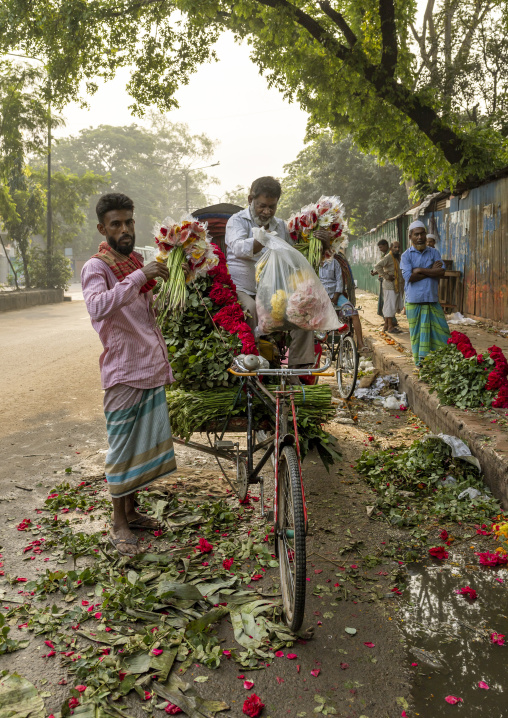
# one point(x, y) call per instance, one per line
point(327, 214)
point(184, 243)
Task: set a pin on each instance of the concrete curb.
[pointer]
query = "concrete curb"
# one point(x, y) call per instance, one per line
point(29, 298)
point(474, 429)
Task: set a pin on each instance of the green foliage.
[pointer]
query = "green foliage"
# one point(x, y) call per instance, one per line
point(28, 199)
point(56, 275)
point(456, 380)
point(70, 195)
point(369, 191)
point(351, 66)
point(24, 113)
point(9, 645)
point(421, 470)
point(145, 164)
point(199, 354)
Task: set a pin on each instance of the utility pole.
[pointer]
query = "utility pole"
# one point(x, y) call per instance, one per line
point(186, 171)
point(49, 213)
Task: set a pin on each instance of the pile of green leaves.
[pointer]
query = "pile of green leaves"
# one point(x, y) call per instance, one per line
point(456, 380)
point(421, 471)
point(199, 353)
point(124, 625)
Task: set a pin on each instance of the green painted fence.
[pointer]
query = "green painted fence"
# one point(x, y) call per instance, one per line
point(363, 252)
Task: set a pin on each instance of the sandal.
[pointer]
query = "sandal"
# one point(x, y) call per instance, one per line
point(117, 543)
point(144, 522)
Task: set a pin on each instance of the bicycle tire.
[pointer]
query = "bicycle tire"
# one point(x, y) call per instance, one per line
point(346, 367)
point(290, 538)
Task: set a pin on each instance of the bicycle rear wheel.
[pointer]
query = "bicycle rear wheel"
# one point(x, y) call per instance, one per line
point(290, 538)
point(346, 367)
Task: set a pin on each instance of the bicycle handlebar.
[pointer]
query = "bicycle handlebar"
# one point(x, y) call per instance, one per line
point(284, 371)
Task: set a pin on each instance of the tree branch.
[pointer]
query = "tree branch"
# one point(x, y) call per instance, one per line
point(465, 46)
point(389, 36)
point(389, 90)
point(339, 20)
point(317, 31)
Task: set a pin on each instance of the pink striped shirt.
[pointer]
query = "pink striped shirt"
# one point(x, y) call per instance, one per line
point(135, 352)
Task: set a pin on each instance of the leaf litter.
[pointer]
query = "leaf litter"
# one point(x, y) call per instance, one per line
point(148, 618)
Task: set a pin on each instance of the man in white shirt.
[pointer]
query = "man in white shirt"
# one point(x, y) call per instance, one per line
point(243, 251)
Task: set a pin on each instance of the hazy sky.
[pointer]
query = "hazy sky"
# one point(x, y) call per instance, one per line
point(257, 130)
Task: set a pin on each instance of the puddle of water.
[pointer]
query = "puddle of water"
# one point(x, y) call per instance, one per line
point(452, 634)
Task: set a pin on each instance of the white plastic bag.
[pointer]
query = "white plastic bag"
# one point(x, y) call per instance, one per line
point(289, 293)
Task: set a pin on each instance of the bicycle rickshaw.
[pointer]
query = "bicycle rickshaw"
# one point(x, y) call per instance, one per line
point(278, 438)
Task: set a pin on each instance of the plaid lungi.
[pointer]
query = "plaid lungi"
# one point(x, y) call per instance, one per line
point(428, 328)
point(139, 436)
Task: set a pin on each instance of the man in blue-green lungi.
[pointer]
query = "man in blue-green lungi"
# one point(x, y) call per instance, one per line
point(422, 268)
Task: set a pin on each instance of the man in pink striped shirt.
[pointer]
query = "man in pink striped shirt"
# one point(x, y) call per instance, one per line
point(134, 367)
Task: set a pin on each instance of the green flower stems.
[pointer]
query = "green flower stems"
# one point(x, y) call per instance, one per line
point(173, 292)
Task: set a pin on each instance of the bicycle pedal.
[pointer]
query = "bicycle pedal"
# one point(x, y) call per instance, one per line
point(224, 445)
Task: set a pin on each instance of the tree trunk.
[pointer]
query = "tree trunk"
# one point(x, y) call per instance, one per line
point(11, 265)
point(24, 257)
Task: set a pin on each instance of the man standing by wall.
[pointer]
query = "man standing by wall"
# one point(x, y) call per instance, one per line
point(383, 248)
point(422, 267)
point(134, 367)
point(388, 269)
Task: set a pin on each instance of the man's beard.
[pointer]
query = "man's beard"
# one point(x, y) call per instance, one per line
point(396, 255)
point(122, 248)
point(257, 219)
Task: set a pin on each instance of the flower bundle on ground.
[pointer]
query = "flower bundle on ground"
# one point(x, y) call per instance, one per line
point(327, 213)
point(424, 471)
point(501, 532)
point(464, 378)
point(178, 243)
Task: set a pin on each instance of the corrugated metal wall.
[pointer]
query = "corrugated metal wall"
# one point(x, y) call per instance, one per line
point(471, 230)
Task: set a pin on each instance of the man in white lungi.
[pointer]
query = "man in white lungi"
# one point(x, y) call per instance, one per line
point(388, 268)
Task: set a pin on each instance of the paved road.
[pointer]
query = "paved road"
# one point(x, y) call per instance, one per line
point(50, 389)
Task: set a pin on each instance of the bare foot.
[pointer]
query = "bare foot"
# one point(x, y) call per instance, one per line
point(141, 521)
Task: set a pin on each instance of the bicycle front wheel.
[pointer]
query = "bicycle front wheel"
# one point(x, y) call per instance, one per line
point(291, 538)
point(346, 367)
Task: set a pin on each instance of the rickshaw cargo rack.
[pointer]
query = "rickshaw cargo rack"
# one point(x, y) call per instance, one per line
point(204, 411)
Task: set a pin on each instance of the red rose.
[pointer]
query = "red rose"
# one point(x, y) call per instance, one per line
point(438, 552)
point(204, 546)
point(494, 381)
point(252, 707)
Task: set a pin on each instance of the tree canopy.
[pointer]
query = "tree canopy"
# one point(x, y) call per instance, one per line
point(149, 165)
point(370, 193)
point(359, 67)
